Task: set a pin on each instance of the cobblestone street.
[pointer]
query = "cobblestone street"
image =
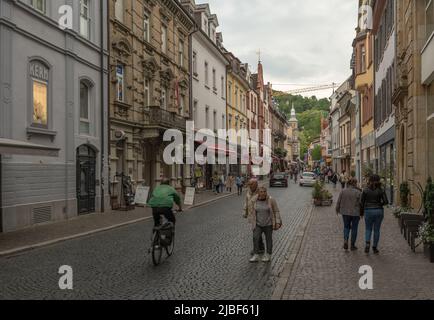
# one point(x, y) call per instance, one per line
point(323, 270)
point(210, 261)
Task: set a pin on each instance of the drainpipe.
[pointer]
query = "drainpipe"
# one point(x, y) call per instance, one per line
point(1, 196)
point(102, 181)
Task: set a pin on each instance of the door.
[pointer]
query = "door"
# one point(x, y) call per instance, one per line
point(86, 180)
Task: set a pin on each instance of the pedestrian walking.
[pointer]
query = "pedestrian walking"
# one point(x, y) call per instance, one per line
point(222, 183)
point(348, 206)
point(343, 179)
point(264, 216)
point(334, 179)
point(239, 182)
point(373, 201)
point(253, 191)
point(216, 183)
point(230, 183)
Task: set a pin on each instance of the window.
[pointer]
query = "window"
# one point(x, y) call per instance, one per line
point(146, 28)
point(195, 63)
point(214, 80)
point(84, 108)
point(164, 39)
point(362, 58)
point(230, 92)
point(120, 74)
point(223, 122)
point(182, 105)
point(181, 53)
point(236, 97)
point(195, 111)
point(429, 18)
point(119, 10)
point(206, 74)
point(164, 98)
point(207, 118)
point(230, 122)
point(84, 19)
point(215, 120)
point(147, 93)
point(223, 87)
point(39, 74)
point(39, 5)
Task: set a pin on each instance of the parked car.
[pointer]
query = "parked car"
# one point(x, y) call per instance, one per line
point(307, 179)
point(279, 180)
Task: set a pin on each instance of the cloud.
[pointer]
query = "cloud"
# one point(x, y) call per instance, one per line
point(302, 41)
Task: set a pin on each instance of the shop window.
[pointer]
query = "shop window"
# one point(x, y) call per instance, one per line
point(40, 81)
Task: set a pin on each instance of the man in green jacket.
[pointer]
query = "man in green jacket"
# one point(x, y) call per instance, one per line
point(162, 201)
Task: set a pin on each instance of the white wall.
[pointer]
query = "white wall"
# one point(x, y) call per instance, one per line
point(203, 95)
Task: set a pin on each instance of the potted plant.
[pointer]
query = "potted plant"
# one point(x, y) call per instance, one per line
point(404, 195)
point(426, 233)
point(327, 198)
point(317, 194)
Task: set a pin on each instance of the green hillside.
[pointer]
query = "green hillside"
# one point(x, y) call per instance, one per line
point(309, 113)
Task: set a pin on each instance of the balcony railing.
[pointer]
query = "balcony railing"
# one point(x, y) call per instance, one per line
point(165, 119)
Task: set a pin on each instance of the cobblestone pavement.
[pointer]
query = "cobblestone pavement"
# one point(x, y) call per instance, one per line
point(210, 261)
point(41, 234)
point(323, 270)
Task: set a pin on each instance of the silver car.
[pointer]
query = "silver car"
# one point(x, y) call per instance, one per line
point(307, 179)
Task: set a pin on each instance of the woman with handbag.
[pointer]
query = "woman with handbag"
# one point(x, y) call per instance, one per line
point(264, 216)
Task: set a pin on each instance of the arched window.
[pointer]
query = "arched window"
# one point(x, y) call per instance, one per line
point(84, 108)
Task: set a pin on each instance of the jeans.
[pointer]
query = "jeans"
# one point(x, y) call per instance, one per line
point(240, 190)
point(257, 239)
point(351, 224)
point(373, 220)
point(166, 212)
point(217, 188)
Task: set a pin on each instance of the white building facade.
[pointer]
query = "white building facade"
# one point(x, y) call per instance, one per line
point(208, 82)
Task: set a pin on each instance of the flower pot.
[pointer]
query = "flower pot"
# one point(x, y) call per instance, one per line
point(429, 251)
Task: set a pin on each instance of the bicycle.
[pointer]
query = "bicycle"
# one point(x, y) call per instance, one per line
point(163, 238)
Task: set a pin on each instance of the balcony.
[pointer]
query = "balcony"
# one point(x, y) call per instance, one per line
point(165, 119)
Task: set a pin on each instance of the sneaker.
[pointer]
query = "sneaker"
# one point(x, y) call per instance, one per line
point(346, 246)
point(255, 258)
point(354, 248)
point(266, 258)
point(376, 251)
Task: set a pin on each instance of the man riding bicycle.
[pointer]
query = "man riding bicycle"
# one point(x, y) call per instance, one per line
point(162, 200)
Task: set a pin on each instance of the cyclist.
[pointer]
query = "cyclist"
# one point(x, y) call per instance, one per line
point(162, 200)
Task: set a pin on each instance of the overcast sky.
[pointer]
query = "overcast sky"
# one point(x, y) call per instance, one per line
point(305, 42)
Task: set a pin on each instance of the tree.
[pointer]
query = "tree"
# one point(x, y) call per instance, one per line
point(317, 153)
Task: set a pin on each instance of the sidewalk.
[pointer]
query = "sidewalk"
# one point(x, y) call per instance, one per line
point(48, 234)
point(321, 269)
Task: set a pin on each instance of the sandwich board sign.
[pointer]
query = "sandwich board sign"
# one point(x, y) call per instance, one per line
point(142, 193)
point(189, 196)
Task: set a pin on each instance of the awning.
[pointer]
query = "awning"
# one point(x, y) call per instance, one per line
point(15, 147)
point(222, 149)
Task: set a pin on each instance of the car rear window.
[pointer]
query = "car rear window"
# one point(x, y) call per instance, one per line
point(308, 175)
point(279, 176)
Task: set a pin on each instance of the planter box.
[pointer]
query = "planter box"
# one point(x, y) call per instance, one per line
point(429, 251)
point(327, 203)
point(317, 203)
